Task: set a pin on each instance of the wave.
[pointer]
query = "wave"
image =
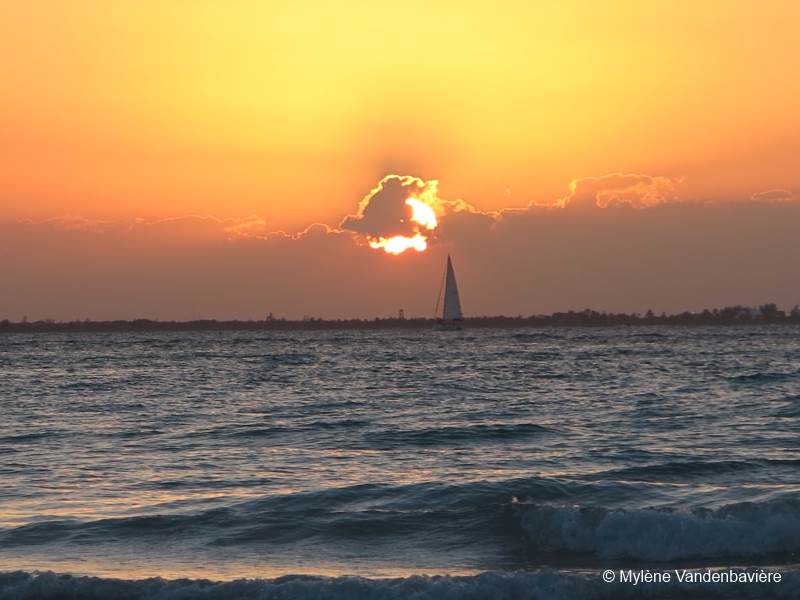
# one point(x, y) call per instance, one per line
point(435, 436)
point(533, 519)
point(471, 510)
point(543, 584)
point(292, 359)
point(531, 355)
point(790, 408)
point(243, 431)
point(742, 530)
point(764, 377)
point(683, 470)
point(34, 437)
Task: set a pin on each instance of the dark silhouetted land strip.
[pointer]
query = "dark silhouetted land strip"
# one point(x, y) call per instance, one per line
point(732, 315)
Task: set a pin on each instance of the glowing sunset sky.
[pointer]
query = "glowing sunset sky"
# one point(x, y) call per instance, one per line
point(138, 138)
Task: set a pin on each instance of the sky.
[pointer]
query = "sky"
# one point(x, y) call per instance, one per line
point(211, 159)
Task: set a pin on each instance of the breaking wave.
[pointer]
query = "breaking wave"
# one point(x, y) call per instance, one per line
point(745, 530)
point(545, 584)
point(532, 517)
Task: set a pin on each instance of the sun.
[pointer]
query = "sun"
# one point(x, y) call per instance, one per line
point(397, 244)
point(424, 220)
point(422, 213)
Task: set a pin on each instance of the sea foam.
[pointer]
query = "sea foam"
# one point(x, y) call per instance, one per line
point(544, 584)
point(738, 530)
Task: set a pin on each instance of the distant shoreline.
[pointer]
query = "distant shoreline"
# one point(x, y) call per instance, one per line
point(729, 316)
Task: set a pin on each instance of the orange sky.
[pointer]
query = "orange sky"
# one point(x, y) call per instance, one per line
point(151, 151)
point(293, 110)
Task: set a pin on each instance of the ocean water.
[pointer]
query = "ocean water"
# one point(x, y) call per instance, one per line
point(398, 464)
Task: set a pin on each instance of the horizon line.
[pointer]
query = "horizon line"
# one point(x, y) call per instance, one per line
point(728, 315)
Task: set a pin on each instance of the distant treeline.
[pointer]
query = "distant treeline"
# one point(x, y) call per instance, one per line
point(731, 315)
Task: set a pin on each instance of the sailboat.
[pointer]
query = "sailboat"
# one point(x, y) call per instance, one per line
point(451, 319)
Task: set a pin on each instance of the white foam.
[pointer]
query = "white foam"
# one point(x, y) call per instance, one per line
point(744, 530)
point(544, 584)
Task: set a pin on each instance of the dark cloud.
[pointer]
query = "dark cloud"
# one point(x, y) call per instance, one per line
point(383, 212)
point(668, 256)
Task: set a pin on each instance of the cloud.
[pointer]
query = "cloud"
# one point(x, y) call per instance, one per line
point(383, 212)
point(776, 195)
point(671, 255)
point(388, 217)
point(633, 189)
point(313, 230)
point(202, 227)
point(73, 223)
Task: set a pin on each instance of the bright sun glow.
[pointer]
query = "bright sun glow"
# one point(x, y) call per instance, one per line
point(422, 213)
point(400, 243)
point(424, 218)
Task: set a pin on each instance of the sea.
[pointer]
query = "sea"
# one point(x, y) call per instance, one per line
point(393, 464)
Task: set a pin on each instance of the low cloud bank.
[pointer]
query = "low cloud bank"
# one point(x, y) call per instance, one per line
point(621, 242)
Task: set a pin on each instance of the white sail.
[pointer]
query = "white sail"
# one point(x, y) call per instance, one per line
point(452, 304)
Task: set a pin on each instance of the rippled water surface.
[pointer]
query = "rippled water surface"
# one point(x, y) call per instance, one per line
point(393, 453)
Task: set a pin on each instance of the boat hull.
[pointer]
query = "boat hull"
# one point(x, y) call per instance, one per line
point(442, 325)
